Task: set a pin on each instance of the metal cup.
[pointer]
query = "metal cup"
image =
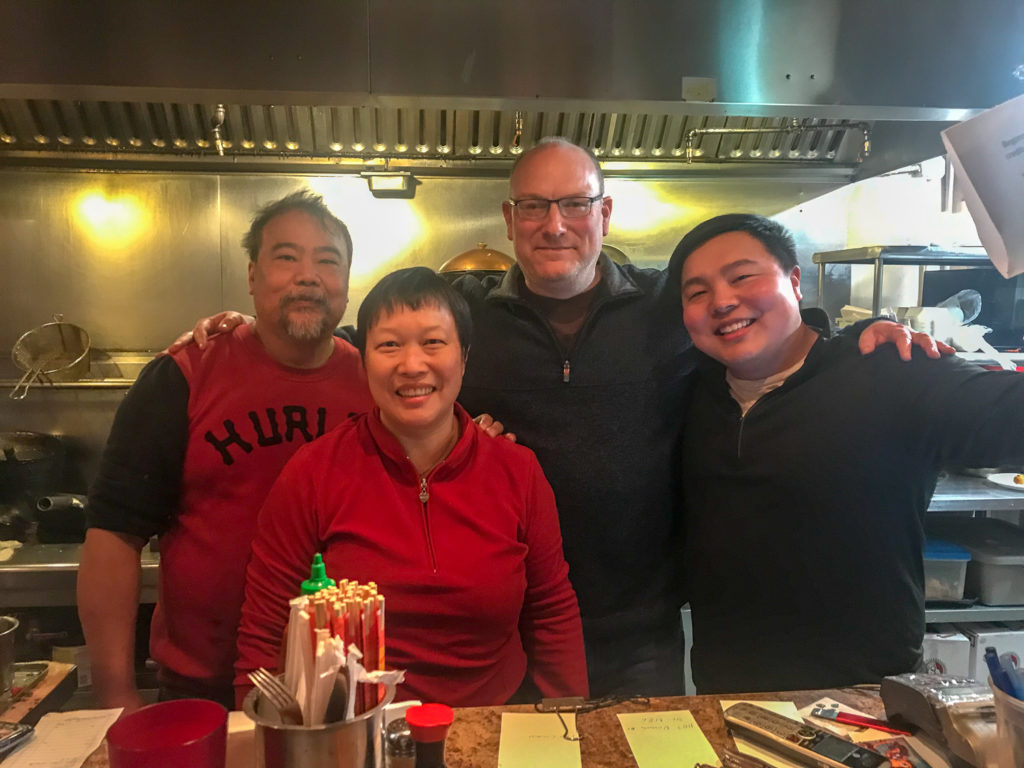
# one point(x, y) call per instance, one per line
point(8, 626)
point(355, 743)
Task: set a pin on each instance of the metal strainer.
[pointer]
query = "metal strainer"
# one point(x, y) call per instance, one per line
point(56, 351)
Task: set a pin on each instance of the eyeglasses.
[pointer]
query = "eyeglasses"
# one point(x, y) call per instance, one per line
point(569, 207)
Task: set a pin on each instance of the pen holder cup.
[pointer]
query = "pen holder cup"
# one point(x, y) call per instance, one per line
point(355, 743)
point(1009, 727)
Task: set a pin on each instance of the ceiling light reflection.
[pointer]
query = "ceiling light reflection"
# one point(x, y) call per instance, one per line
point(113, 222)
point(638, 208)
point(383, 230)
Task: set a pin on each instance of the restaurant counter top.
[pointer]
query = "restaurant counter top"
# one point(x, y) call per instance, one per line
point(473, 740)
point(474, 736)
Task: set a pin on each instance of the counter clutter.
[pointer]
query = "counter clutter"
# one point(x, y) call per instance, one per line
point(474, 738)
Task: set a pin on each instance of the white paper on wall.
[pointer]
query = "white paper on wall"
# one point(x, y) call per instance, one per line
point(987, 153)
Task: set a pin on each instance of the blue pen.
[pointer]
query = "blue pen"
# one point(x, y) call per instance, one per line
point(1000, 679)
point(1009, 662)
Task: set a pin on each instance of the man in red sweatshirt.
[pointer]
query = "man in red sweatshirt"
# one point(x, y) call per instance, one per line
point(195, 448)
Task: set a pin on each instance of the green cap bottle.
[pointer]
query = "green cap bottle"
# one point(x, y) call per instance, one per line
point(317, 577)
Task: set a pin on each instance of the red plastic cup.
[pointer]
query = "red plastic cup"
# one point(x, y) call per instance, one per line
point(171, 734)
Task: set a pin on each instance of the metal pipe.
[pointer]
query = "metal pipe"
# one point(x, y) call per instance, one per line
point(219, 114)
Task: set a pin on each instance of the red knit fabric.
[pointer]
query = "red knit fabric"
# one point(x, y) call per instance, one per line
point(476, 584)
point(235, 388)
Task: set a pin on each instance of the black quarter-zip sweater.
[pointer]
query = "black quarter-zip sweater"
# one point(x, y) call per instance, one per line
point(804, 518)
point(605, 424)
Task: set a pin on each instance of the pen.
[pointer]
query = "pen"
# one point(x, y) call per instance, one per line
point(866, 722)
point(1000, 679)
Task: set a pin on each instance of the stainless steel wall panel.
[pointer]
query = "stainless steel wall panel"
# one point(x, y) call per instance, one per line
point(120, 254)
point(186, 261)
point(170, 251)
point(81, 418)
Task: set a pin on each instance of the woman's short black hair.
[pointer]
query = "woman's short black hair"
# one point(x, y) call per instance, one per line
point(412, 288)
point(776, 239)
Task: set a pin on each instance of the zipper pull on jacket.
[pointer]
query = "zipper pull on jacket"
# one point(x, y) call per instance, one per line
point(424, 494)
point(565, 371)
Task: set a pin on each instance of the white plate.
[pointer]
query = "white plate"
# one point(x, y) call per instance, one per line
point(1005, 479)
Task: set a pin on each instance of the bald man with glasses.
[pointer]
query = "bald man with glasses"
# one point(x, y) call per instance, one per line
point(583, 359)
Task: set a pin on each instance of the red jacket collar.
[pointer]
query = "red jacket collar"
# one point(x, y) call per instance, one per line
point(387, 445)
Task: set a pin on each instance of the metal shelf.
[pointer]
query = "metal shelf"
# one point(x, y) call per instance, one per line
point(900, 255)
point(118, 383)
point(46, 574)
point(965, 493)
point(108, 369)
point(975, 613)
point(905, 255)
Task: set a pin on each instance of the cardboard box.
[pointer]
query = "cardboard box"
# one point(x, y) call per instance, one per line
point(947, 651)
point(1005, 637)
point(79, 656)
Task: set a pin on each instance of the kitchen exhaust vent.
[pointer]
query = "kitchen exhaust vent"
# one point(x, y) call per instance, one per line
point(125, 130)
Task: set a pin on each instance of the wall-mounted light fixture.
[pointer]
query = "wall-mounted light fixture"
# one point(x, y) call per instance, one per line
point(391, 183)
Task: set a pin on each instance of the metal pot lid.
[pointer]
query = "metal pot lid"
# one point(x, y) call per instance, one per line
point(20, 447)
point(479, 259)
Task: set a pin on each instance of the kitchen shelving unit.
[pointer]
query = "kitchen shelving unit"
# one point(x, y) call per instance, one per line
point(880, 256)
point(968, 494)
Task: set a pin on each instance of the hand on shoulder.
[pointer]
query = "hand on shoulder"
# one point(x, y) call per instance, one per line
point(208, 327)
point(883, 332)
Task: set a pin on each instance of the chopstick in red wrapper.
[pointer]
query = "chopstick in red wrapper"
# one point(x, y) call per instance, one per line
point(352, 614)
point(379, 618)
point(369, 649)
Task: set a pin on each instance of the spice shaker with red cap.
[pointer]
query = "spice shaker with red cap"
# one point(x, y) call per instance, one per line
point(429, 724)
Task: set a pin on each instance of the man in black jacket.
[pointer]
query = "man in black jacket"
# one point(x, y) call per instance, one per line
point(808, 469)
point(585, 361)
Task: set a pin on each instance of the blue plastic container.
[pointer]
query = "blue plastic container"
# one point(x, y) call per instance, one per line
point(945, 570)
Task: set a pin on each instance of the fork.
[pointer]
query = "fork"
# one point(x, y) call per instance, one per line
point(278, 695)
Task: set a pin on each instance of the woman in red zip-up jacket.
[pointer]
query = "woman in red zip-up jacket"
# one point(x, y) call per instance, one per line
point(459, 530)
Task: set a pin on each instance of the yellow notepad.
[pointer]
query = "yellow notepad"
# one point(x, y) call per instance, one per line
point(536, 741)
point(666, 739)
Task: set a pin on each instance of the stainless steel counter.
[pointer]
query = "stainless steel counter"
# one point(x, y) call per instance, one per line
point(40, 575)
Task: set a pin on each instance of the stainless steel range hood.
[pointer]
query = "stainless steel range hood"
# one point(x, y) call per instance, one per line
point(673, 87)
point(396, 129)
